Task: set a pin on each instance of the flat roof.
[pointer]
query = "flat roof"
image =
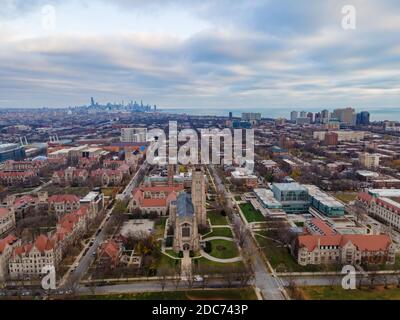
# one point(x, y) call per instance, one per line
point(323, 197)
point(90, 196)
point(391, 193)
point(293, 186)
point(266, 196)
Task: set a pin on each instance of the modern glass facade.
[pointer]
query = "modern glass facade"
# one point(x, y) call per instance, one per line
point(11, 151)
point(292, 196)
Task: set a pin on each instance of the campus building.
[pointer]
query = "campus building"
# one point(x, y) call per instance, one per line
point(11, 151)
point(292, 196)
point(323, 202)
point(343, 249)
point(183, 218)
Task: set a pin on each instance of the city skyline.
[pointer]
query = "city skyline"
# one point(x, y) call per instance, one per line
point(183, 54)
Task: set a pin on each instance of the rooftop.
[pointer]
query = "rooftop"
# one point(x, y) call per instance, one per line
point(294, 186)
point(184, 205)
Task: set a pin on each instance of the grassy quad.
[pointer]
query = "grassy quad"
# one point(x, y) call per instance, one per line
point(220, 232)
point(223, 249)
point(217, 219)
point(251, 214)
point(213, 267)
point(282, 261)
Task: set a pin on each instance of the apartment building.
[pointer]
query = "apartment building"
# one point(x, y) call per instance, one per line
point(7, 220)
point(6, 248)
point(30, 259)
point(63, 204)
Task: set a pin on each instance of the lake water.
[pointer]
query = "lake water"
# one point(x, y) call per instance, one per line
point(377, 114)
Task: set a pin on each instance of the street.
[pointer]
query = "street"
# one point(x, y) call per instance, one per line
point(270, 286)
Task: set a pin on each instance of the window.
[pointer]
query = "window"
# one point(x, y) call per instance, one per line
point(186, 231)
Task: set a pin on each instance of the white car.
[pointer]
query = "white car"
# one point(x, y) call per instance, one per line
point(198, 278)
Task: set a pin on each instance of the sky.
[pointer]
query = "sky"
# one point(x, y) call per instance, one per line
point(200, 54)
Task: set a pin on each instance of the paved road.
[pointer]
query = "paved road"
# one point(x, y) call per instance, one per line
point(133, 183)
point(87, 259)
point(270, 285)
point(152, 286)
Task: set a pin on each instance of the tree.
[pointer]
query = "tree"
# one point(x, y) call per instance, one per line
point(177, 276)
point(163, 273)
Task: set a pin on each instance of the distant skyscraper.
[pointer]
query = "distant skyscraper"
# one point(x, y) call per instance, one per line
point(249, 116)
point(317, 118)
point(325, 116)
point(294, 115)
point(92, 101)
point(310, 115)
point(363, 118)
point(303, 114)
point(230, 115)
point(346, 115)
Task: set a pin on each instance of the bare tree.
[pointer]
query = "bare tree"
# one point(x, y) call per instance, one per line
point(177, 276)
point(163, 273)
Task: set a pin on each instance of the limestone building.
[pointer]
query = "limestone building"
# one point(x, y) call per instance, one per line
point(184, 220)
point(199, 196)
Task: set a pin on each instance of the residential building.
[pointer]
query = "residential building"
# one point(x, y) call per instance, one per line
point(134, 135)
point(369, 160)
point(30, 259)
point(7, 220)
point(63, 204)
point(70, 176)
point(346, 115)
point(19, 178)
point(6, 247)
point(107, 177)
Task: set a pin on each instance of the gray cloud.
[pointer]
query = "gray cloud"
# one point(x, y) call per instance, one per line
point(257, 53)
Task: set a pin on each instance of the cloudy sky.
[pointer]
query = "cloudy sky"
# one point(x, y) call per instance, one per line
point(190, 53)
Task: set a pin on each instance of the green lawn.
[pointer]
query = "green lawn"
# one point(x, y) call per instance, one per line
point(219, 294)
point(280, 257)
point(220, 232)
point(238, 198)
point(338, 293)
point(251, 214)
point(168, 262)
point(159, 227)
point(217, 219)
point(78, 191)
point(172, 253)
point(213, 267)
point(346, 197)
point(223, 249)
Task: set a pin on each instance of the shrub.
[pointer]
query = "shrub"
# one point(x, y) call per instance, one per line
point(191, 253)
point(180, 255)
point(208, 247)
point(169, 241)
